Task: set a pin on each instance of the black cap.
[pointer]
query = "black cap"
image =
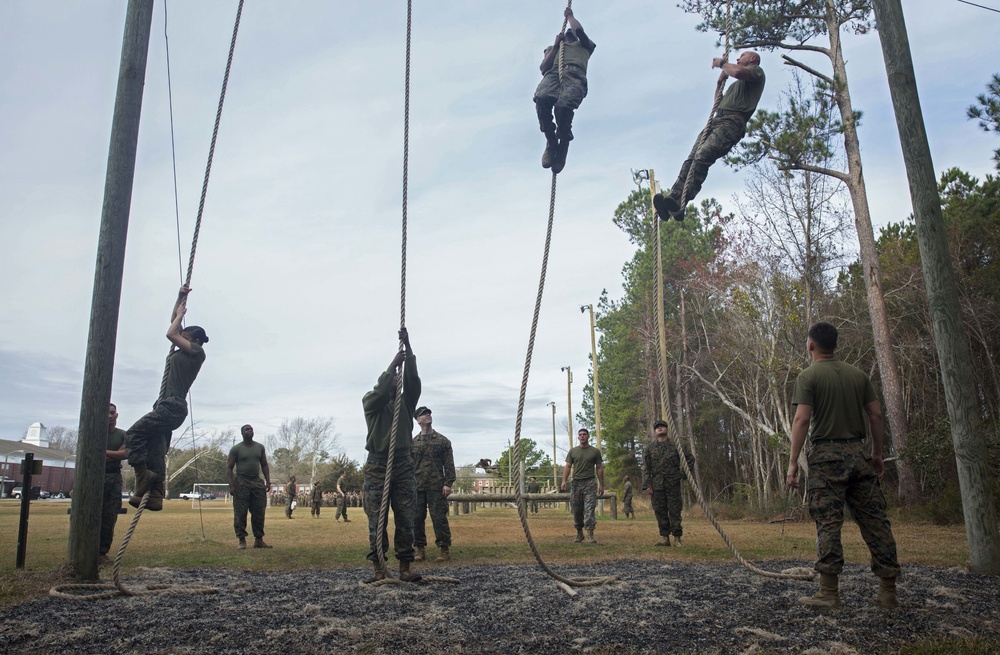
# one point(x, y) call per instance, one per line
point(197, 332)
point(660, 422)
point(421, 411)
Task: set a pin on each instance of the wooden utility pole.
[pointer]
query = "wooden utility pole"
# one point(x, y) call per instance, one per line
point(85, 513)
point(942, 294)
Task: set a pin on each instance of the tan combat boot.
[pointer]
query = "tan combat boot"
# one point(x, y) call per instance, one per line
point(259, 543)
point(677, 541)
point(590, 536)
point(664, 542)
point(886, 597)
point(243, 544)
point(405, 574)
point(579, 536)
point(378, 574)
point(155, 502)
point(828, 596)
point(444, 556)
point(419, 554)
point(144, 480)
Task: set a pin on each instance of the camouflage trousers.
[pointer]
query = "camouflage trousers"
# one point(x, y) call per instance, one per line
point(149, 437)
point(724, 132)
point(402, 500)
point(627, 505)
point(534, 506)
point(342, 507)
point(250, 495)
point(666, 502)
point(842, 474)
point(564, 96)
point(431, 500)
point(314, 508)
point(583, 500)
point(111, 502)
point(289, 498)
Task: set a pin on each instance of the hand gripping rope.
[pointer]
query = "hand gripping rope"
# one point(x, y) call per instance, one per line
point(117, 586)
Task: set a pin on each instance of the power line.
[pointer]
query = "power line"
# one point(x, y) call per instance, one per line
point(966, 2)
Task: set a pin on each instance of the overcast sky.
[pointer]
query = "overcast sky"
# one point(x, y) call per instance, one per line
point(297, 275)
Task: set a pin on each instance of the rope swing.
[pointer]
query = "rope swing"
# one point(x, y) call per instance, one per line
point(117, 588)
point(566, 584)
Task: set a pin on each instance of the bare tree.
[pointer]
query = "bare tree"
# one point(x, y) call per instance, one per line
point(63, 439)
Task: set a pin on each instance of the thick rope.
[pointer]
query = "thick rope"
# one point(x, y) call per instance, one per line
point(119, 588)
point(383, 510)
point(107, 590)
point(719, 86)
point(797, 574)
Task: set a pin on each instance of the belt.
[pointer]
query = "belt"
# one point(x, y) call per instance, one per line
point(730, 112)
point(851, 440)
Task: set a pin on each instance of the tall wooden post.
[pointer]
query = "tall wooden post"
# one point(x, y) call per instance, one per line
point(942, 294)
point(85, 513)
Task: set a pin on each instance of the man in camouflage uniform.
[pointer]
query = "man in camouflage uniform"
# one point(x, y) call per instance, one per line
point(563, 95)
point(662, 475)
point(534, 488)
point(148, 439)
point(342, 497)
point(379, 406)
point(627, 498)
point(291, 491)
point(588, 483)
point(725, 130)
point(831, 400)
point(315, 500)
point(249, 491)
point(435, 470)
point(112, 494)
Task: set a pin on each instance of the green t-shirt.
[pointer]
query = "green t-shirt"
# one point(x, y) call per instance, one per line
point(115, 440)
point(183, 368)
point(584, 461)
point(247, 458)
point(837, 393)
point(743, 95)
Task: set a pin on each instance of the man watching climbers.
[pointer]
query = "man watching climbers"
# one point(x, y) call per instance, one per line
point(434, 465)
point(249, 491)
point(588, 483)
point(832, 399)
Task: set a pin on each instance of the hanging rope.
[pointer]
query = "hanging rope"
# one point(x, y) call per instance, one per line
point(566, 583)
point(719, 86)
point(119, 588)
point(692, 478)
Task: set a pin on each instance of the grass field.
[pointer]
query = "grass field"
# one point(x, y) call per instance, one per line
point(175, 538)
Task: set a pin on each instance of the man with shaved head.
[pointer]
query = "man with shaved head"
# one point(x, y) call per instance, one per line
point(726, 129)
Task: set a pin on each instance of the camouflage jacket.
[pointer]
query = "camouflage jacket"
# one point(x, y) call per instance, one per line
point(433, 461)
point(661, 465)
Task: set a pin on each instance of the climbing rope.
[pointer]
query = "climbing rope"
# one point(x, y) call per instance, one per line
point(119, 588)
point(693, 477)
point(566, 583)
point(719, 86)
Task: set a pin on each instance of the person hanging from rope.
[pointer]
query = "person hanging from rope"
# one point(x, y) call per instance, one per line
point(562, 91)
point(379, 404)
point(723, 132)
point(149, 437)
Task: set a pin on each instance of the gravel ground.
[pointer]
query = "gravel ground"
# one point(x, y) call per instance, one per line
point(656, 607)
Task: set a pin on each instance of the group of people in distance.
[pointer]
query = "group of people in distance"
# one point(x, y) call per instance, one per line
point(564, 86)
point(835, 403)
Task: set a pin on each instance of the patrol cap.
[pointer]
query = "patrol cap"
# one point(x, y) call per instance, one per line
point(421, 411)
point(660, 422)
point(197, 332)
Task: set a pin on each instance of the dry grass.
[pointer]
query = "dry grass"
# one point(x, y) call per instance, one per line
point(173, 538)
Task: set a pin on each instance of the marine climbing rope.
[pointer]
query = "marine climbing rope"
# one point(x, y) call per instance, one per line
point(117, 588)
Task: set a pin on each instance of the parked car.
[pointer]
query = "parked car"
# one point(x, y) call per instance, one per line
point(194, 495)
point(36, 492)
